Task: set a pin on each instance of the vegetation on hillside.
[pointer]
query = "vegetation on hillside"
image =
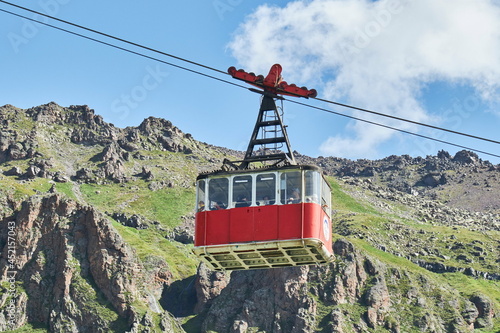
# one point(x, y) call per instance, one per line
point(141, 180)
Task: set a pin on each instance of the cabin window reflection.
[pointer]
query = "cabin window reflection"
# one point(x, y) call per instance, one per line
point(266, 189)
point(218, 193)
point(242, 191)
point(291, 187)
point(200, 195)
point(326, 198)
point(312, 186)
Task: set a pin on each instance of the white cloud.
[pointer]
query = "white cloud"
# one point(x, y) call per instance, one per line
point(378, 55)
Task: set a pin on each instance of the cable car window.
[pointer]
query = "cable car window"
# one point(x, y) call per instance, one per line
point(326, 197)
point(218, 190)
point(291, 187)
point(242, 191)
point(266, 189)
point(312, 186)
point(200, 195)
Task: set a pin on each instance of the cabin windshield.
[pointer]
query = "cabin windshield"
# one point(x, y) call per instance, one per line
point(326, 198)
point(200, 195)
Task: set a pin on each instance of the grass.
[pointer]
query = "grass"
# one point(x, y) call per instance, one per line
point(440, 289)
point(30, 328)
point(96, 304)
point(388, 258)
point(447, 284)
point(468, 286)
point(365, 220)
point(165, 206)
point(362, 219)
point(67, 190)
point(149, 242)
point(344, 202)
point(26, 189)
point(23, 125)
point(192, 324)
point(359, 220)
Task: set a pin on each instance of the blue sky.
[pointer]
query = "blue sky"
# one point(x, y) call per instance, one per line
point(433, 61)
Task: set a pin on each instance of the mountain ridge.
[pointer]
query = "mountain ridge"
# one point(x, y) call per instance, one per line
point(416, 238)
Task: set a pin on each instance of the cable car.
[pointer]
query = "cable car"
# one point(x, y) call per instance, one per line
point(267, 215)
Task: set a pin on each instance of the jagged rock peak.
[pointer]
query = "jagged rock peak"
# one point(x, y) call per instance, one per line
point(443, 154)
point(49, 113)
point(466, 157)
point(55, 114)
point(155, 126)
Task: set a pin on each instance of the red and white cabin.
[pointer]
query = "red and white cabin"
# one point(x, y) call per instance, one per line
point(263, 218)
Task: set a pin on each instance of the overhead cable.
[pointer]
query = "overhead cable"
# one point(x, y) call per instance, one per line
point(241, 86)
point(392, 128)
point(110, 36)
point(217, 70)
point(407, 120)
point(121, 48)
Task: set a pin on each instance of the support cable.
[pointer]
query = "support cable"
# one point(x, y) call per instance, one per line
point(394, 128)
point(122, 48)
point(241, 86)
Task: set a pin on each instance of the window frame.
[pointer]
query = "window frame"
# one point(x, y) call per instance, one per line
point(274, 190)
point(209, 193)
point(234, 199)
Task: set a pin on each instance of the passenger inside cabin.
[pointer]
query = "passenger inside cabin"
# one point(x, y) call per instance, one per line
point(312, 198)
point(201, 206)
point(218, 205)
point(294, 197)
point(267, 201)
point(242, 201)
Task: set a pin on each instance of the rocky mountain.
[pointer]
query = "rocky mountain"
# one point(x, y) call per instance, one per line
point(97, 229)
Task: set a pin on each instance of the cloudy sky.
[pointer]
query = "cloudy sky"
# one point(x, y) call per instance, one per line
point(430, 61)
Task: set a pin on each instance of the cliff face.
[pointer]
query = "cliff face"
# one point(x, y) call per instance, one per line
point(272, 300)
point(77, 274)
point(96, 227)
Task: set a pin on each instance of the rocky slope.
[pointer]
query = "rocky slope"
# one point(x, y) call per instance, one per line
point(97, 225)
point(459, 181)
point(357, 293)
point(73, 271)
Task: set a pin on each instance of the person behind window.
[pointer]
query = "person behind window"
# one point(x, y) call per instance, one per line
point(242, 201)
point(218, 205)
point(267, 201)
point(295, 197)
point(201, 206)
point(312, 198)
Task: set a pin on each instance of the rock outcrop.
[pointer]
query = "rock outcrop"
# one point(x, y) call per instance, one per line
point(77, 273)
point(273, 300)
